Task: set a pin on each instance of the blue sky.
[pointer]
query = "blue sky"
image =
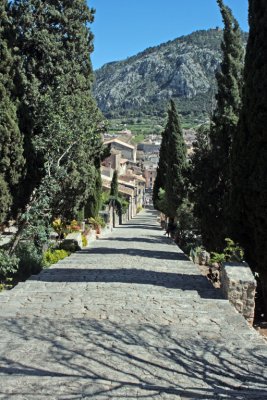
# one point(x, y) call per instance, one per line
point(123, 28)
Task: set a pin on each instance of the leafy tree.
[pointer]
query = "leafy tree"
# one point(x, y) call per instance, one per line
point(11, 141)
point(176, 162)
point(114, 187)
point(215, 208)
point(54, 42)
point(249, 155)
point(58, 115)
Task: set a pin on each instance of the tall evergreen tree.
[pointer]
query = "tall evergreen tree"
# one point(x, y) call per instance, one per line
point(93, 204)
point(114, 187)
point(199, 178)
point(176, 162)
point(249, 158)
point(11, 141)
point(160, 180)
point(215, 211)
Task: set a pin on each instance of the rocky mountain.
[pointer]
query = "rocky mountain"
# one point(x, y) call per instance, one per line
point(183, 69)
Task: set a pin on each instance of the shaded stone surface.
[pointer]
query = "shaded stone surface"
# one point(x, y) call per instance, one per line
point(129, 318)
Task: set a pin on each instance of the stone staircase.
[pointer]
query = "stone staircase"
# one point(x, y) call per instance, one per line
point(128, 318)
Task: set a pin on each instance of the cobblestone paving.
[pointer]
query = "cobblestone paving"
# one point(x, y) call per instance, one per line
point(128, 318)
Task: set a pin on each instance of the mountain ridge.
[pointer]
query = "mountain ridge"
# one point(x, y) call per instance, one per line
point(183, 68)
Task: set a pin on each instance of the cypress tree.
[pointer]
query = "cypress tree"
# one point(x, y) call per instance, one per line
point(114, 187)
point(160, 180)
point(93, 204)
point(176, 162)
point(249, 156)
point(199, 178)
point(215, 211)
point(5, 199)
point(11, 141)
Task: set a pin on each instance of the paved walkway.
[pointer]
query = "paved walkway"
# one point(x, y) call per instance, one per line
point(130, 318)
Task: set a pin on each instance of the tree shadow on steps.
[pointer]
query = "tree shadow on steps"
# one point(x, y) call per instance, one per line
point(132, 276)
point(94, 359)
point(152, 239)
point(137, 252)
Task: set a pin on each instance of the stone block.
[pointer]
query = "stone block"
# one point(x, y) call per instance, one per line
point(239, 286)
point(73, 241)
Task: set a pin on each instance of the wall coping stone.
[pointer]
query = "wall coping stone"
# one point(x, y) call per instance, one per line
point(239, 286)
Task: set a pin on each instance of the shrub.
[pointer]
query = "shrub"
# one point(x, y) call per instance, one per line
point(84, 240)
point(139, 208)
point(217, 258)
point(30, 260)
point(8, 265)
point(53, 256)
point(232, 252)
point(60, 227)
point(97, 222)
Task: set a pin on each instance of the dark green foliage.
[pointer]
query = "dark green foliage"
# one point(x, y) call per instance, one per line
point(114, 187)
point(30, 260)
point(93, 205)
point(186, 233)
point(160, 180)
point(213, 203)
point(249, 158)
point(8, 266)
point(169, 187)
point(5, 199)
point(199, 178)
point(11, 142)
point(176, 162)
point(161, 203)
point(57, 113)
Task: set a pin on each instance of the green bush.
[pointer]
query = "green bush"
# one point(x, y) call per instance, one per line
point(217, 258)
point(30, 260)
point(232, 252)
point(8, 265)
point(53, 256)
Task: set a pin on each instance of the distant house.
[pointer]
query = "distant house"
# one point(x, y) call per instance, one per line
point(127, 150)
point(150, 174)
point(114, 161)
point(148, 147)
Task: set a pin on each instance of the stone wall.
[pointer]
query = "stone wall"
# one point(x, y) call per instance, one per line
point(239, 286)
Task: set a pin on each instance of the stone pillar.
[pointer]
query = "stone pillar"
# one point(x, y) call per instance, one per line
point(239, 286)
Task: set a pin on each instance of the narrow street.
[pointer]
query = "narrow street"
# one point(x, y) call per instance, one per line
point(130, 317)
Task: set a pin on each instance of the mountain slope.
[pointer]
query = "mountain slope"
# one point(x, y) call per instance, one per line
point(183, 69)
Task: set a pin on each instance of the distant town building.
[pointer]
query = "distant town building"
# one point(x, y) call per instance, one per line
point(127, 150)
point(148, 147)
point(150, 174)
